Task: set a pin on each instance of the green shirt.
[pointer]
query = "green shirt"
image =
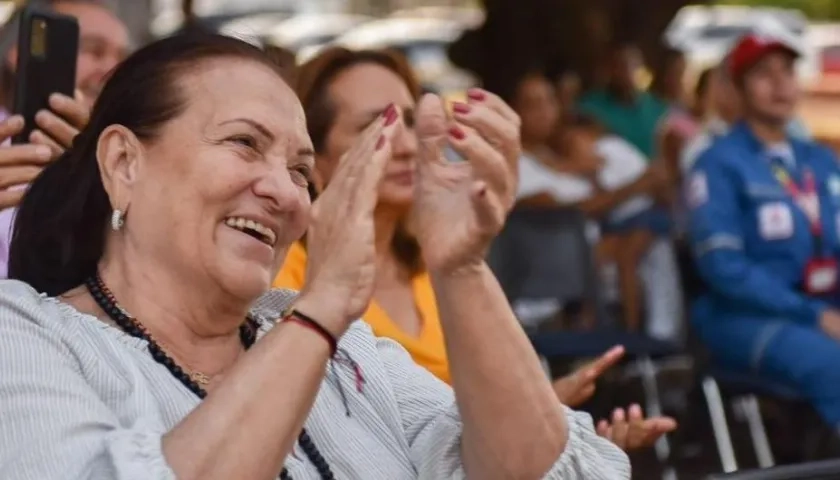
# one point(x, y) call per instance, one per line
point(634, 122)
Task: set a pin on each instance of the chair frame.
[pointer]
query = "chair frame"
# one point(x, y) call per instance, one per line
point(746, 408)
point(644, 366)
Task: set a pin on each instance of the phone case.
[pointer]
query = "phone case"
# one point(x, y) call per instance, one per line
point(48, 46)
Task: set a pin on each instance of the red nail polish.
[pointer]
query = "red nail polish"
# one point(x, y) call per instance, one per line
point(461, 108)
point(457, 133)
point(389, 120)
point(476, 94)
point(380, 142)
point(390, 114)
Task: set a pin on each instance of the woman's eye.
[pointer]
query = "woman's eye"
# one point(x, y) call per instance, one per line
point(408, 119)
point(302, 176)
point(244, 140)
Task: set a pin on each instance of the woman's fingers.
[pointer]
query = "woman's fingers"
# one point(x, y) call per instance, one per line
point(488, 163)
point(381, 150)
point(38, 137)
point(56, 128)
point(605, 361)
point(430, 126)
point(635, 414)
point(72, 110)
point(11, 198)
point(26, 154)
point(603, 429)
point(620, 427)
point(10, 127)
point(481, 96)
point(18, 175)
point(354, 161)
point(500, 132)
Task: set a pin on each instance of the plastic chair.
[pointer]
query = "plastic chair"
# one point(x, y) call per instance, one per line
point(545, 253)
point(823, 470)
point(744, 391)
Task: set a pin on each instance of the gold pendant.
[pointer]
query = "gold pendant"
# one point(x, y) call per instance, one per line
point(200, 378)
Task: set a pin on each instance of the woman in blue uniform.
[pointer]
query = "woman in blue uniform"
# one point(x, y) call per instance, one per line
point(764, 224)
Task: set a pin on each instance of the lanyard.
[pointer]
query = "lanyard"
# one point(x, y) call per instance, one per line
point(806, 199)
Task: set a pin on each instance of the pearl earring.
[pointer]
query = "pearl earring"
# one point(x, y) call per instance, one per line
point(117, 220)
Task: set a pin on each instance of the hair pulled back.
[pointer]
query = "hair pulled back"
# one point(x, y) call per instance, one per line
point(61, 225)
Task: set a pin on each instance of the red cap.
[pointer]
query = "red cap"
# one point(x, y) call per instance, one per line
point(751, 48)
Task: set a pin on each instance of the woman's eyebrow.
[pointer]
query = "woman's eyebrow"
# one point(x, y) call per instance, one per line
point(253, 123)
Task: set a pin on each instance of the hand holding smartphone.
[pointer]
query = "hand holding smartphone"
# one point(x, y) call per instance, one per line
point(48, 46)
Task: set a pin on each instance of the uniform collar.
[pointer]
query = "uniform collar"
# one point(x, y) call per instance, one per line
point(744, 132)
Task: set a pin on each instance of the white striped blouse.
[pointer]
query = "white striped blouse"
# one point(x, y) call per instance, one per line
point(80, 399)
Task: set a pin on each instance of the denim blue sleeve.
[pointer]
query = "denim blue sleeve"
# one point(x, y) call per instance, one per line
point(717, 240)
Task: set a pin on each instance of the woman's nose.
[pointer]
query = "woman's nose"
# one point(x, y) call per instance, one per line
point(404, 143)
point(280, 189)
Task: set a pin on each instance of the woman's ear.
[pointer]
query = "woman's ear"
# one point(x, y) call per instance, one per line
point(119, 154)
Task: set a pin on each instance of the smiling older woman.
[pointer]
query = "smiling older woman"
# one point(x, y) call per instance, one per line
point(145, 358)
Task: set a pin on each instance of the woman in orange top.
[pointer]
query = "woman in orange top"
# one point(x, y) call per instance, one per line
point(426, 347)
point(342, 91)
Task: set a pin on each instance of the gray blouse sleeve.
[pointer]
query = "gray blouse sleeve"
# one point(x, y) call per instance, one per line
point(54, 426)
point(433, 427)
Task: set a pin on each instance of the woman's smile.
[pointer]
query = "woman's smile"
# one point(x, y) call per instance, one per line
point(253, 228)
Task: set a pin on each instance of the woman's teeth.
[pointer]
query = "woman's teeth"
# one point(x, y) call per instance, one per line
point(255, 229)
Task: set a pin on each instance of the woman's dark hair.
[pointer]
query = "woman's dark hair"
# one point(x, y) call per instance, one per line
point(312, 85)
point(60, 229)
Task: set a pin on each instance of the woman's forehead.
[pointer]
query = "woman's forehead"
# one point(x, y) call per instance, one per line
point(369, 85)
point(226, 89)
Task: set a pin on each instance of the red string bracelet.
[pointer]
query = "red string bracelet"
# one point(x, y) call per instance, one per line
point(312, 324)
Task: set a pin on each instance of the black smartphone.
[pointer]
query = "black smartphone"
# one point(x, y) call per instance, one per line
point(48, 45)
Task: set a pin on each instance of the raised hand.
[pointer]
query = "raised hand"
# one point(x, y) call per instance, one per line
point(19, 164)
point(579, 386)
point(58, 126)
point(341, 263)
point(631, 430)
point(459, 207)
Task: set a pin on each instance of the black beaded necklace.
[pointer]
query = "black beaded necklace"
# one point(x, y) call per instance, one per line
point(247, 333)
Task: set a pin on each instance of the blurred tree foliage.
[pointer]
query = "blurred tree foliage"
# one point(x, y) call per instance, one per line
point(813, 9)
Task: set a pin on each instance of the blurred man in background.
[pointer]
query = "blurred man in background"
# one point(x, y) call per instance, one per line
point(103, 43)
point(765, 232)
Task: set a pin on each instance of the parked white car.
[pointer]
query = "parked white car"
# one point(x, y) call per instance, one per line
point(706, 33)
point(424, 41)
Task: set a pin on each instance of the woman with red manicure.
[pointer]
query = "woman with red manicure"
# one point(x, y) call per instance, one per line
point(342, 91)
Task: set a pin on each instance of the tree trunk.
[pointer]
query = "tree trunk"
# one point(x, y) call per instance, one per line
point(519, 36)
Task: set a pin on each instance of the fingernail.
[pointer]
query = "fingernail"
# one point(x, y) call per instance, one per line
point(461, 108)
point(456, 133)
point(43, 151)
point(56, 98)
point(476, 94)
point(390, 114)
point(380, 142)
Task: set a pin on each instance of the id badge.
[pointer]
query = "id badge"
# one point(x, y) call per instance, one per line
point(820, 276)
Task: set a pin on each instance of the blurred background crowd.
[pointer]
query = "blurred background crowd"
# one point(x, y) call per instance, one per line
point(618, 100)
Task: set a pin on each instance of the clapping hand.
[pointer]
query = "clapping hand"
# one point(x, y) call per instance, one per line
point(579, 386)
point(632, 431)
point(460, 207)
point(341, 264)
